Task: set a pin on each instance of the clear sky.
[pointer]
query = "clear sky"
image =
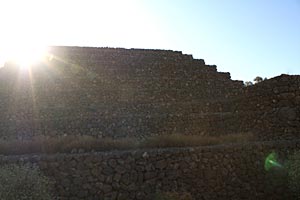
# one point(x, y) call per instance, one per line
point(246, 38)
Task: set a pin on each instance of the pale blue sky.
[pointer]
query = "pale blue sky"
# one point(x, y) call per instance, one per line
point(245, 38)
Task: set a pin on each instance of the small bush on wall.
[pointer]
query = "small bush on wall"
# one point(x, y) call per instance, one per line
point(23, 183)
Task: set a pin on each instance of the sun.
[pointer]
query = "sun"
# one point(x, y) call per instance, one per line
point(24, 55)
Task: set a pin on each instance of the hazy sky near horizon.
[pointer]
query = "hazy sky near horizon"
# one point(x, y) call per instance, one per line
point(245, 38)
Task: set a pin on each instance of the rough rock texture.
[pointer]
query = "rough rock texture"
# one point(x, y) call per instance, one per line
point(217, 172)
point(271, 109)
point(108, 92)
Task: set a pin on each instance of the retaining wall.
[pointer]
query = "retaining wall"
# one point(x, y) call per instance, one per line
point(216, 172)
point(107, 92)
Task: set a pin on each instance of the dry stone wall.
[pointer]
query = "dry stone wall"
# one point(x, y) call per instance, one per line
point(270, 110)
point(112, 93)
point(277, 107)
point(217, 172)
point(107, 92)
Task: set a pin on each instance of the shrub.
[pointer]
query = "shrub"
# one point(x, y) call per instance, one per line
point(22, 183)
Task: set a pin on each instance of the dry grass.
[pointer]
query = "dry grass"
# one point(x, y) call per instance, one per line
point(69, 144)
point(65, 144)
point(177, 140)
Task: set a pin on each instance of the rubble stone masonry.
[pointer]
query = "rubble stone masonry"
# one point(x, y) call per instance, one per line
point(117, 93)
point(216, 172)
point(114, 92)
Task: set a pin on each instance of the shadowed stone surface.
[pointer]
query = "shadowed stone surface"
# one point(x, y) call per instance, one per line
point(217, 172)
point(107, 92)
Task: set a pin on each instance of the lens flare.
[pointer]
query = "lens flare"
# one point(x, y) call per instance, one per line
point(271, 161)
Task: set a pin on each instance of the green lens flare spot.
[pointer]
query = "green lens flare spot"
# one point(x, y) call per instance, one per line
point(271, 161)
